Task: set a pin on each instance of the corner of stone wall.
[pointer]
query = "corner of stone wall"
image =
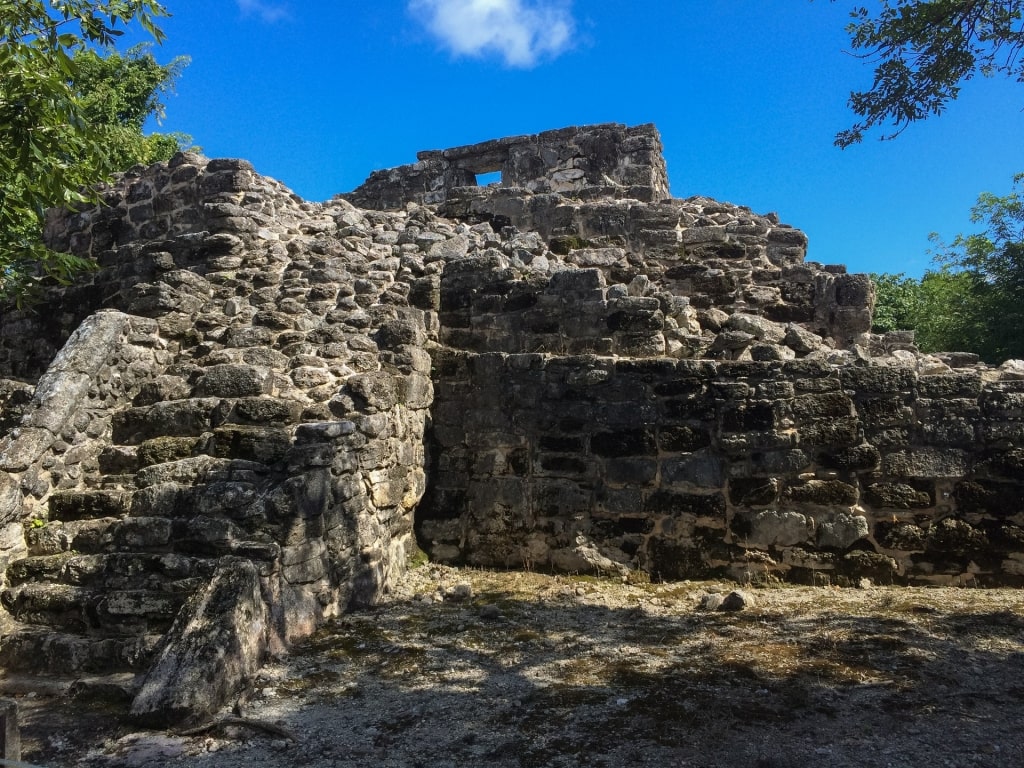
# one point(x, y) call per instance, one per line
point(68, 422)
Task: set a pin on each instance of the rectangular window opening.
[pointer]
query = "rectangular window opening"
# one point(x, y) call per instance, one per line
point(491, 179)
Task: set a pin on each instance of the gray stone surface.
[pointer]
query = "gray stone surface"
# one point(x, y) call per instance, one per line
point(566, 370)
point(214, 647)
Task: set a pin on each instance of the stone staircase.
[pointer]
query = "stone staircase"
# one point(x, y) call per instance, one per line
point(109, 567)
point(222, 503)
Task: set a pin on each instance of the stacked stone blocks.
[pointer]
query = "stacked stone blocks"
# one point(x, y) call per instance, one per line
point(229, 432)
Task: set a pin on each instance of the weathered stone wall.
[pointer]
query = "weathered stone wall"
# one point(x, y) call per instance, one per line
point(235, 448)
point(609, 160)
point(64, 428)
point(279, 423)
point(690, 469)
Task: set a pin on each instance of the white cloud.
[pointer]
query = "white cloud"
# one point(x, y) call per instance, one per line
point(522, 32)
point(268, 12)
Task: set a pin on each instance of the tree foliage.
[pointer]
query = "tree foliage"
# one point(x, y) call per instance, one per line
point(50, 152)
point(941, 308)
point(923, 51)
point(993, 263)
point(975, 300)
point(118, 94)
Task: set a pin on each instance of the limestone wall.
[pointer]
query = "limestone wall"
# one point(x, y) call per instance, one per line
point(222, 436)
point(609, 160)
point(275, 432)
point(691, 469)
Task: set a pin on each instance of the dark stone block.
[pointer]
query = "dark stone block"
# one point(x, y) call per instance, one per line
point(878, 380)
point(576, 282)
point(688, 408)
point(826, 405)
point(631, 471)
point(948, 432)
point(378, 389)
point(621, 530)
point(832, 433)
point(254, 443)
point(745, 417)
point(1000, 500)
point(753, 491)
point(861, 564)
point(617, 501)
point(159, 450)
point(683, 386)
point(638, 344)
point(563, 465)
point(900, 536)
point(638, 321)
point(264, 410)
point(676, 503)
point(891, 439)
point(900, 495)
point(669, 560)
point(948, 385)
point(701, 469)
point(927, 462)
point(789, 313)
point(884, 411)
point(638, 442)
point(1002, 535)
point(1004, 465)
point(830, 493)
point(955, 537)
point(561, 444)
point(87, 504)
point(442, 504)
point(683, 438)
point(779, 462)
point(560, 498)
point(231, 380)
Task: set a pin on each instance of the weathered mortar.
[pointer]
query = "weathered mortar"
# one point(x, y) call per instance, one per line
point(692, 469)
point(622, 380)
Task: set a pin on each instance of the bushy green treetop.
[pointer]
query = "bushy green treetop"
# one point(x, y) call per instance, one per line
point(51, 153)
point(974, 301)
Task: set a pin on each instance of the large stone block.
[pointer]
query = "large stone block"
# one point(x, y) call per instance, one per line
point(213, 650)
point(772, 528)
point(233, 380)
point(927, 462)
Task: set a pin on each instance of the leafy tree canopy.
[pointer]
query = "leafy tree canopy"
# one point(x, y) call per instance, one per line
point(50, 152)
point(975, 300)
point(923, 50)
point(118, 94)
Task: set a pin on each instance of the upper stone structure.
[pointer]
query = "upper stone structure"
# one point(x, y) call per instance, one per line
point(608, 160)
point(244, 421)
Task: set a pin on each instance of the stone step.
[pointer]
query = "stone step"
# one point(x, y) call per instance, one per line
point(190, 417)
point(89, 504)
point(35, 650)
point(193, 470)
point(163, 572)
point(83, 536)
point(84, 610)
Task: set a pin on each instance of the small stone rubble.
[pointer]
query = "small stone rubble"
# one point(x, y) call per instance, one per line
point(236, 427)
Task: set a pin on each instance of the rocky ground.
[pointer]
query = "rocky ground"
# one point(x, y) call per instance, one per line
point(470, 668)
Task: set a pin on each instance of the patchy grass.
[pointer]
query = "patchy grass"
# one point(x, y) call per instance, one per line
point(524, 670)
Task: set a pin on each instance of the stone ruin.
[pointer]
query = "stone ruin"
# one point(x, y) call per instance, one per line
point(246, 419)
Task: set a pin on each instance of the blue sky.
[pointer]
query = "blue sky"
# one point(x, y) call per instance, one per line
point(747, 94)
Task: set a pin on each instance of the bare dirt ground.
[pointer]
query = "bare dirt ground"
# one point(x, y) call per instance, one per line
point(471, 668)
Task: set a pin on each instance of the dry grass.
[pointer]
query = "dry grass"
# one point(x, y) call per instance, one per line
point(534, 670)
